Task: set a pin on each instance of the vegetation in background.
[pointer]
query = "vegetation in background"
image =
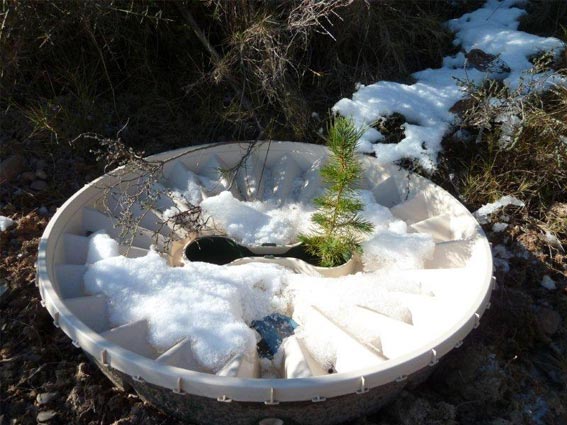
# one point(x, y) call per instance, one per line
point(338, 224)
point(545, 18)
point(521, 143)
point(188, 72)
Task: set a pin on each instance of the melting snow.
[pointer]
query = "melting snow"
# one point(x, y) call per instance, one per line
point(426, 103)
point(483, 213)
point(214, 305)
point(210, 304)
point(256, 222)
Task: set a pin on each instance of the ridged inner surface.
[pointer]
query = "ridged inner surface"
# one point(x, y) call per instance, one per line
point(435, 298)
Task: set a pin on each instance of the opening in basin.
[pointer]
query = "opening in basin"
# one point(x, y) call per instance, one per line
point(221, 250)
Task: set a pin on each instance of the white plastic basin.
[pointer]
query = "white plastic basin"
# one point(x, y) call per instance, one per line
point(457, 284)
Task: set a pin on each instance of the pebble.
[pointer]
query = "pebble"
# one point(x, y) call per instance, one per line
point(44, 398)
point(43, 211)
point(11, 167)
point(38, 185)
point(549, 320)
point(548, 283)
point(41, 174)
point(46, 416)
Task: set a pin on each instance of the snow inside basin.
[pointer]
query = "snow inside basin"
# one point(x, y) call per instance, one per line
point(423, 283)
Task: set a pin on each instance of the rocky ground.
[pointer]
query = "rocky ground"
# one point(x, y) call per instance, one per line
point(511, 370)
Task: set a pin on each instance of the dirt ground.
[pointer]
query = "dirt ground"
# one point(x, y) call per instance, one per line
point(511, 370)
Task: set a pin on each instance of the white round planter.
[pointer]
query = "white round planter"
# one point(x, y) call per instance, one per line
point(459, 277)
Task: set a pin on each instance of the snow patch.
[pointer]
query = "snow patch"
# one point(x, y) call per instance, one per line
point(426, 104)
point(499, 227)
point(256, 222)
point(483, 213)
point(211, 305)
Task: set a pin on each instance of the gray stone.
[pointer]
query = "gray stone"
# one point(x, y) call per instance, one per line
point(46, 416)
point(38, 185)
point(44, 398)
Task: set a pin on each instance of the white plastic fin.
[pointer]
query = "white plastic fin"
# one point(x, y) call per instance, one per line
point(133, 337)
point(90, 310)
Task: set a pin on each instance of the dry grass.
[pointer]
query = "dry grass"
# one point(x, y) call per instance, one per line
point(527, 160)
point(68, 67)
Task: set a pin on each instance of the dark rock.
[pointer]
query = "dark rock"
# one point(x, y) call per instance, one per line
point(410, 409)
point(548, 320)
point(483, 61)
point(463, 105)
point(46, 416)
point(480, 377)
point(38, 185)
point(11, 167)
point(44, 398)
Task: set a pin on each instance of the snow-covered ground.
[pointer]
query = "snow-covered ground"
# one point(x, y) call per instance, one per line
point(426, 103)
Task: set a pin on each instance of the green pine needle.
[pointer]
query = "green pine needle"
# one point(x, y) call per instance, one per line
point(338, 225)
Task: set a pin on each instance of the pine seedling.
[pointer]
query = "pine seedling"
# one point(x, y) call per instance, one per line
point(338, 225)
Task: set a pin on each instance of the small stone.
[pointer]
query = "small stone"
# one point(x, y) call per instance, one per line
point(38, 185)
point(44, 398)
point(486, 62)
point(548, 283)
point(28, 176)
point(43, 211)
point(461, 106)
point(549, 320)
point(11, 167)
point(46, 416)
point(41, 174)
